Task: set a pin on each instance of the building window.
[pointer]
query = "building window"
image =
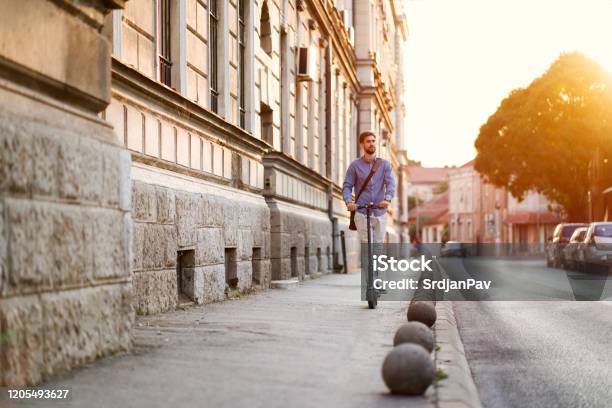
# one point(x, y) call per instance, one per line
point(265, 32)
point(241, 61)
point(165, 63)
point(213, 39)
point(266, 117)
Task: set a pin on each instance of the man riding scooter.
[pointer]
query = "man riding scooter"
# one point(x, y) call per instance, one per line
point(374, 184)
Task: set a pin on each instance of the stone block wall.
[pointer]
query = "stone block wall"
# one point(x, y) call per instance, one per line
point(168, 220)
point(300, 241)
point(64, 244)
point(65, 222)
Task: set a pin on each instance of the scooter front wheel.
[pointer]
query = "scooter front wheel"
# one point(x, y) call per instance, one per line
point(372, 304)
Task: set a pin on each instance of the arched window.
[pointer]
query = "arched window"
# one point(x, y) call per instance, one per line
point(265, 30)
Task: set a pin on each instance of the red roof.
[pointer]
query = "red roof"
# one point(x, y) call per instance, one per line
point(441, 218)
point(527, 217)
point(430, 209)
point(427, 175)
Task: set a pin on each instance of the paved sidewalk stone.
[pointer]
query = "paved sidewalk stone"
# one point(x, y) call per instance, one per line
point(315, 346)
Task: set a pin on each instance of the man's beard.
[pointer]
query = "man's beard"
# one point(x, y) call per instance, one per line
point(371, 150)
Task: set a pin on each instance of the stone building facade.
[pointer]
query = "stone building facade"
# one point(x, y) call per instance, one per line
point(65, 219)
point(241, 117)
point(174, 151)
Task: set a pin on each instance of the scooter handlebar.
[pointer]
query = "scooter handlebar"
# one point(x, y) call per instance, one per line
point(370, 206)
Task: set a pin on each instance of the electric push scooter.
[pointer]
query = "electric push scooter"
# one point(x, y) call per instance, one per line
point(372, 294)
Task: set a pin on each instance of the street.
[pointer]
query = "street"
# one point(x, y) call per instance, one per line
point(314, 346)
point(524, 279)
point(538, 354)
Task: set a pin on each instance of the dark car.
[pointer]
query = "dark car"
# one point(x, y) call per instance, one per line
point(570, 251)
point(453, 248)
point(594, 254)
point(554, 250)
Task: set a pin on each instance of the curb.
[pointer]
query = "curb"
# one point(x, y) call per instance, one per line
point(458, 390)
point(285, 284)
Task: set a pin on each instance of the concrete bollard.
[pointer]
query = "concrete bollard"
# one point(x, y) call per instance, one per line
point(424, 312)
point(416, 333)
point(408, 369)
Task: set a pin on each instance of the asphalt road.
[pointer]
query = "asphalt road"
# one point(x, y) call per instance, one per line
point(524, 279)
point(538, 353)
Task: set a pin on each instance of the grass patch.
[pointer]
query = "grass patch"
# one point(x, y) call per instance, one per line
point(5, 338)
point(235, 294)
point(440, 375)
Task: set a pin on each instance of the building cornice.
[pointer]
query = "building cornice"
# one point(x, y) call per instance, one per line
point(226, 133)
point(399, 18)
point(331, 25)
point(374, 92)
point(286, 164)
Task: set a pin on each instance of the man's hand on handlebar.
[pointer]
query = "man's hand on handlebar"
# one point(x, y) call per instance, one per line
point(371, 206)
point(353, 207)
point(383, 204)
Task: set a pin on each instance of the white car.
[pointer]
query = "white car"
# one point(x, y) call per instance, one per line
point(595, 252)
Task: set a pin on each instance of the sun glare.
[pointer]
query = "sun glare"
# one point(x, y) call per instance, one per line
point(464, 57)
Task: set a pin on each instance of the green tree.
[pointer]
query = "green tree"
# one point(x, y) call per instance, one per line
point(441, 187)
point(414, 162)
point(543, 137)
point(413, 202)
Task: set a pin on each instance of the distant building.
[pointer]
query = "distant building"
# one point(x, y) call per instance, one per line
point(464, 187)
point(423, 180)
point(435, 230)
point(430, 219)
point(481, 212)
point(530, 221)
point(476, 208)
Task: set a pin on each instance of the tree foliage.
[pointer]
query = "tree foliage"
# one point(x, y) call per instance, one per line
point(543, 137)
point(414, 202)
point(414, 162)
point(441, 187)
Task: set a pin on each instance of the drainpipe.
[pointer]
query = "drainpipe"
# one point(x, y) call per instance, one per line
point(328, 115)
point(328, 158)
point(358, 127)
point(335, 229)
point(400, 197)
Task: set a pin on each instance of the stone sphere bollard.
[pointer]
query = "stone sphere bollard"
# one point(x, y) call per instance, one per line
point(408, 369)
point(424, 312)
point(415, 332)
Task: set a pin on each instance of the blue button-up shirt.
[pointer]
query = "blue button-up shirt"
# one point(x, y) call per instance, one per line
point(381, 186)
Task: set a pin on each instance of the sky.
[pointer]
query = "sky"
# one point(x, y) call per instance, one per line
point(464, 56)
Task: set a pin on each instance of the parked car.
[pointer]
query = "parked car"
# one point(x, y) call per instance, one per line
point(570, 250)
point(594, 254)
point(453, 248)
point(560, 238)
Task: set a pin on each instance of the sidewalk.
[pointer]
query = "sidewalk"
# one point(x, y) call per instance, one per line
point(314, 346)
